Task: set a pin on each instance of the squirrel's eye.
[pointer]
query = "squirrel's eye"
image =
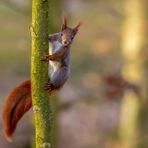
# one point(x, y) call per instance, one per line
point(61, 34)
point(72, 38)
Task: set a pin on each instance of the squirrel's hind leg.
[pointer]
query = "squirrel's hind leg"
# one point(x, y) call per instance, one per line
point(58, 79)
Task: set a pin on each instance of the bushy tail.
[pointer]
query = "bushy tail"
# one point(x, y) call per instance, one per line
point(16, 105)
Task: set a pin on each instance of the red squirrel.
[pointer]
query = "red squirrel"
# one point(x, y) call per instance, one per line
point(19, 101)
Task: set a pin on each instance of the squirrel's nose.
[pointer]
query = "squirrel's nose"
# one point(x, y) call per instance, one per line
point(65, 42)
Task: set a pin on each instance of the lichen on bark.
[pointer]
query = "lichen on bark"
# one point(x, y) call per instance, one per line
point(39, 72)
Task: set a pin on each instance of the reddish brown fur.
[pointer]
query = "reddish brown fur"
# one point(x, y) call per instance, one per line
point(17, 103)
point(67, 34)
point(77, 26)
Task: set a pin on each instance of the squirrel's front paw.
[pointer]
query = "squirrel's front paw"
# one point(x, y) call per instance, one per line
point(44, 58)
point(47, 87)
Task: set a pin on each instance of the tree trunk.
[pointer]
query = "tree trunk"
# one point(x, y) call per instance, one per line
point(132, 42)
point(54, 26)
point(39, 74)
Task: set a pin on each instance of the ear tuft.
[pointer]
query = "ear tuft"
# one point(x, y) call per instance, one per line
point(64, 23)
point(77, 27)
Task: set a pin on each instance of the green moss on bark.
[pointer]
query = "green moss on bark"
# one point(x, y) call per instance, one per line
point(39, 73)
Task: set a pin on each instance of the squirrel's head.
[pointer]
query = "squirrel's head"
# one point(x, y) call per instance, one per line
point(67, 33)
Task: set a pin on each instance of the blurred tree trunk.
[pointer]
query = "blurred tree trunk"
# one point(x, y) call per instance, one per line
point(39, 73)
point(143, 115)
point(55, 8)
point(54, 26)
point(132, 40)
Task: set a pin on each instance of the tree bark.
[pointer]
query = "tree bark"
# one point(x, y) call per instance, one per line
point(39, 74)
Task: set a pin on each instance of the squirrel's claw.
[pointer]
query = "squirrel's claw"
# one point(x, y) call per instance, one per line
point(47, 87)
point(44, 58)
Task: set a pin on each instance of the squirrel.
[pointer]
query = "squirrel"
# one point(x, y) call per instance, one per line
point(19, 101)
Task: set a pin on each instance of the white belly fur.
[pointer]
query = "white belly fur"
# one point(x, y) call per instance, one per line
point(54, 66)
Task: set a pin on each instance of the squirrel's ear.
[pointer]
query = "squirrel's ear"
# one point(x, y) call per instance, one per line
point(64, 23)
point(77, 27)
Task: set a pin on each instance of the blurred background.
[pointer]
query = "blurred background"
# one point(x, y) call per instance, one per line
point(104, 104)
